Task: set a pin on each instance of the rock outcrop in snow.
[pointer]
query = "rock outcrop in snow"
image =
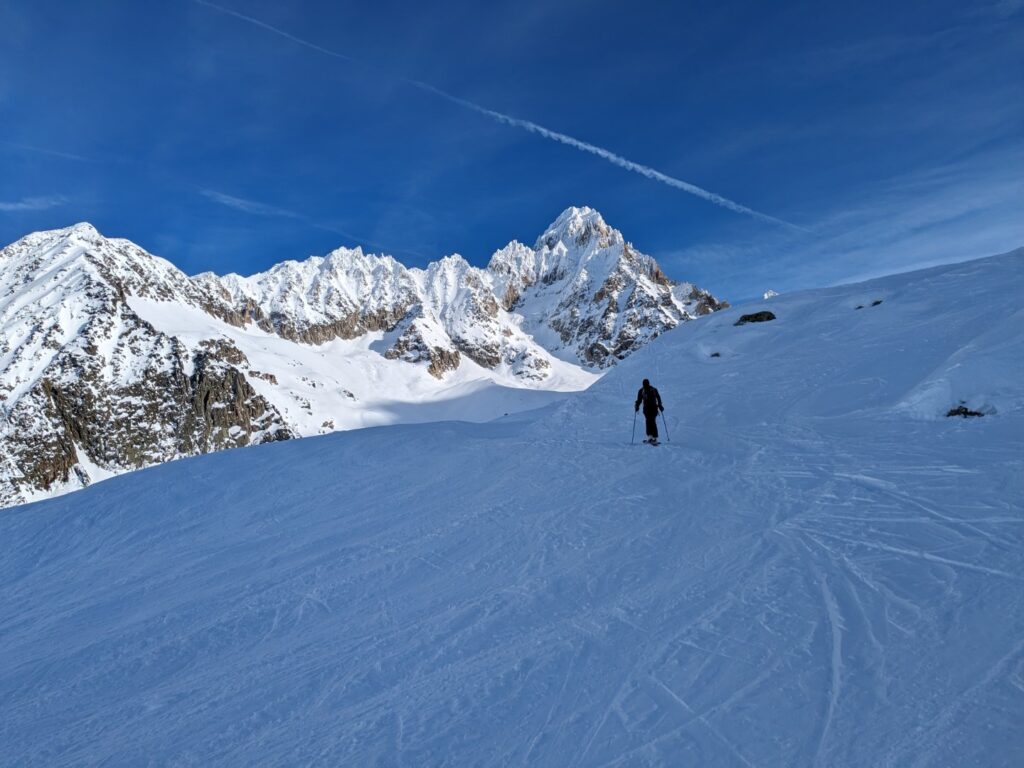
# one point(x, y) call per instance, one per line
point(112, 359)
point(86, 384)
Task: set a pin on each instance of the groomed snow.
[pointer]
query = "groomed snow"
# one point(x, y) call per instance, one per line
point(820, 568)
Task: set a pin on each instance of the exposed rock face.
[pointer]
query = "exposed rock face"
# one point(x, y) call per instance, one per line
point(103, 370)
point(420, 339)
point(341, 296)
point(88, 383)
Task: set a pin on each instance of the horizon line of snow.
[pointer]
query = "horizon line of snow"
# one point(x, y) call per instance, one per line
point(529, 126)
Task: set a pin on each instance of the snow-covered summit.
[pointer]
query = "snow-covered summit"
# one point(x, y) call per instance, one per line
point(582, 262)
point(575, 228)
point(82, 229)
point(112, 358)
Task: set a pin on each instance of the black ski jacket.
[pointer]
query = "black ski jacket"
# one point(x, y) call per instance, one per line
point(651, 401)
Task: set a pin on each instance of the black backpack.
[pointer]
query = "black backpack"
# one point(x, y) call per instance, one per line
point(650, 398)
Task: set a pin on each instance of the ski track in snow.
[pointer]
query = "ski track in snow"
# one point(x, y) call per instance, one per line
point(807, 574)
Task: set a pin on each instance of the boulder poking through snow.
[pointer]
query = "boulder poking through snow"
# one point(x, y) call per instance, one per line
point(964, 411)
point(756, 317)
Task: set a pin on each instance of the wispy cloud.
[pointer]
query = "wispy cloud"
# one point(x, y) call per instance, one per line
point(1005, 8)
point(249, 206)
point(45, 151)
point(256, 208)
point(527, 125)
point(33, 204)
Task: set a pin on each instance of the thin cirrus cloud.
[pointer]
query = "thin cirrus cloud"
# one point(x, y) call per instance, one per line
point(33, 204)
point(256, 208)
point(249, 206)
point(14, 145)
point(529, 126)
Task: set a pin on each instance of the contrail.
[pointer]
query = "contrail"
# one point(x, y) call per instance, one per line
point(611, 157)
point(277, 31)
point(528, 125)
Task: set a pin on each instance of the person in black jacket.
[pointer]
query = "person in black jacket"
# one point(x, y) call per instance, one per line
point(650, 399)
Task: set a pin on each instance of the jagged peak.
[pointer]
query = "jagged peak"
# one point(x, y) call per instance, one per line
point(577, 227)
point(345, 257)
point(444, 278)
point(356, 259)
point(453, 261)
point(578, 246)
point(510, 258)
point(340, 260)
point(344, 260)
point(577, 213)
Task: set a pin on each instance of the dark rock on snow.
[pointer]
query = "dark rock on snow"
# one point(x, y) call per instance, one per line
point(963, 410)
point(756, 317)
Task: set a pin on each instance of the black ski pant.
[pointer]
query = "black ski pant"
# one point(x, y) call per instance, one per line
point(652, 424)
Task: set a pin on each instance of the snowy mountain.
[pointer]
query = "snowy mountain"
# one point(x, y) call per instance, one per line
point(112, 359)
point(818, 566)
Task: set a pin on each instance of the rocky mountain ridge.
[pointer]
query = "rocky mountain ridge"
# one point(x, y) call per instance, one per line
point(112, 359)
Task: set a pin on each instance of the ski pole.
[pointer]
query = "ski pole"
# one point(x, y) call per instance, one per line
point(632, 439)
point(667, 438)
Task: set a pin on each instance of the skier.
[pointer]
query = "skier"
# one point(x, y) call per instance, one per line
point(651, 401)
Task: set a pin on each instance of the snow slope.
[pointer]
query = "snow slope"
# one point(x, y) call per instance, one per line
point(820, 568)
point(348, 384)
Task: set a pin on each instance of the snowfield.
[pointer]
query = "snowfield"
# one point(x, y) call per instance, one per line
point(819, 569)
point(311, 382)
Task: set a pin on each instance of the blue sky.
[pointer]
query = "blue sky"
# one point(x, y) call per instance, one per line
point(890, 134)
